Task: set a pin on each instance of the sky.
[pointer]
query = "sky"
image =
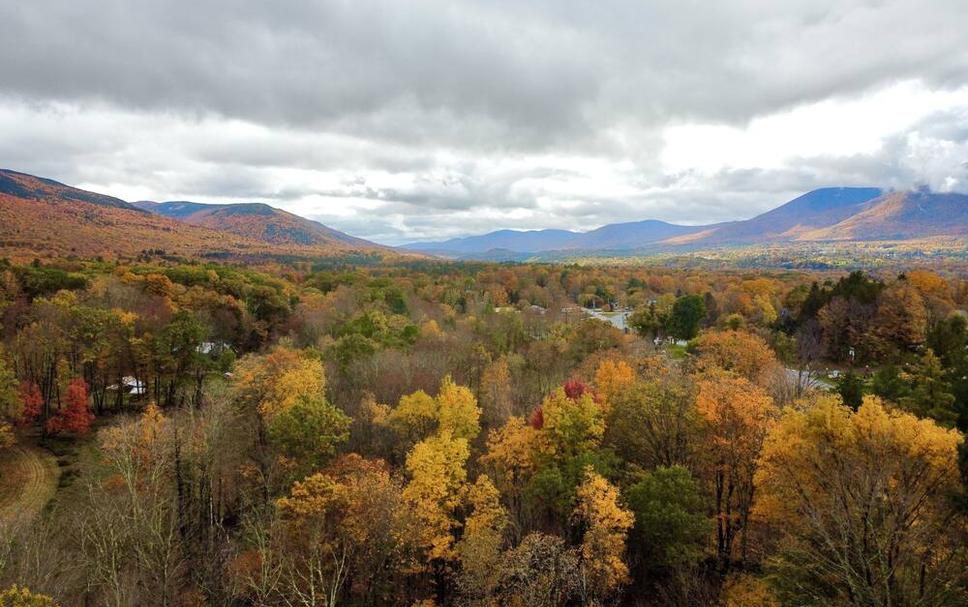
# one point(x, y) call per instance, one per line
point(424, 120)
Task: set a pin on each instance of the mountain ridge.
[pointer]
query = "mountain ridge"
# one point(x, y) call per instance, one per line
point(823, 214)
point(43, 217)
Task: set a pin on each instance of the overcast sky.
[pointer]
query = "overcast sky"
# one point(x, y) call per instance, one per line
point(412, 120)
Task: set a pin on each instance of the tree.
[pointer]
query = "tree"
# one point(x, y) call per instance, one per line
point(927, 393)
point(7, 437)
point(9, 400)
point(606, 524)
point(32, 402)
point(851, 389)
point(671, 526)
point(414, 418)
point(736, 415)
point(479, 548)
point(437, 475)
point(457, 410)
point(342, 530)
point(611, 379)
point(902, 320)
point(309, 430)
point(18, 596)
point(76, 416)
point(687, 315)
point(510, 460)
point(496, 392)
point(742, 353)
point(861, 501)
point(541, 571)
point(570, 426)
point(651, 423)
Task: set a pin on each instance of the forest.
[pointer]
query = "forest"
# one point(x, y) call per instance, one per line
point(426, 433)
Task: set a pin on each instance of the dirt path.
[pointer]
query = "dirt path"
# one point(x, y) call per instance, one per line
point(28, 480)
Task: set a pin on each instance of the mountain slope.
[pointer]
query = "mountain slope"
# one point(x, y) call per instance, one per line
point(901, 216)
point(41, 217)
point(814, 210)
point(256, 221)
point(28, 187)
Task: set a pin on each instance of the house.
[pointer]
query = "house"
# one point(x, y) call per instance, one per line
point(131, 386)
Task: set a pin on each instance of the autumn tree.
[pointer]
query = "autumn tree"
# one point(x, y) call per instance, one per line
point(653, 423)
point(309, 430)
point(340, 533)
point(612, 377)
point(19, 596)
point(496, 393)
point(860, 499)
point(75, 417)
point(436, 467)
point(9, 401)
point(31, 402)
point(479, 548)
point(606, 523)
point(736, 415)
point(743, 353)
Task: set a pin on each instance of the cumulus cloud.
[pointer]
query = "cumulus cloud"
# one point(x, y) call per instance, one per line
point(429, 119)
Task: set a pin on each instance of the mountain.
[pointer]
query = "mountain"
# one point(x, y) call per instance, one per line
point(517, 241)
point(27, 187)
point(255, 220)
point(834, 214)
point(902, 216)
point(816, 209)
point(629, 235)
point(41, 217)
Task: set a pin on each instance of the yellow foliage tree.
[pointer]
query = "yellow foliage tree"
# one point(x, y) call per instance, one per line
point(863, 498)
point(414, 418)
point(606, 525)
point(742, 353)
point(611, 378)
point(569, 426)
point(435, 491)
point(457, 410)
point(21, 596)
point(480, 546)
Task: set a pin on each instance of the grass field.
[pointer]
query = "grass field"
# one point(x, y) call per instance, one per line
point(28, 481)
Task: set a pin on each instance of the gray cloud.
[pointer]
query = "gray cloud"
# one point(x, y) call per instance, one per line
point(397, 121)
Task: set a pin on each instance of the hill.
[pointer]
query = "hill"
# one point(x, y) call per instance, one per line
point(44, 218)
point(257, 221)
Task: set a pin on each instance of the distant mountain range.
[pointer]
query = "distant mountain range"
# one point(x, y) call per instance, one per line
point(823, 215)
point(41, 217)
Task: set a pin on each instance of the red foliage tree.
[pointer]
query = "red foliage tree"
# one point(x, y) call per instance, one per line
point(76, 416)
point(32, 401)
point(537, 418)
point(575, 388)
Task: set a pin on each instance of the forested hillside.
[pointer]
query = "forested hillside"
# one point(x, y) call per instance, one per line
point(426, 433)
